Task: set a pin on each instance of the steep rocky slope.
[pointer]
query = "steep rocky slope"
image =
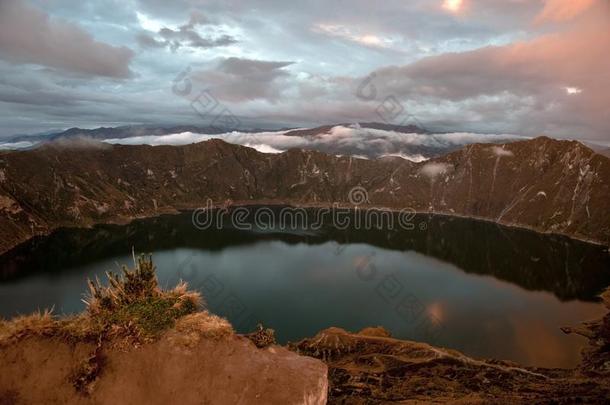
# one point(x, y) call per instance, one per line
point(543, 184)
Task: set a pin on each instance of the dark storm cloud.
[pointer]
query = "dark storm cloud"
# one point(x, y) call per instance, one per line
point(147, 41)
point(524, 66)
point(237, 79)
point(28, 35)
point(185, 36)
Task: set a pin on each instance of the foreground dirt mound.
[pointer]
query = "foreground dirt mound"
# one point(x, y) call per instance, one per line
point(139, 344)
point(185, 366)
point(370, 367)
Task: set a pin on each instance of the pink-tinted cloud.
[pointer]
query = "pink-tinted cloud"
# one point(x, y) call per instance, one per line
point(28, 35)
point(538, 71)
point(563, 10)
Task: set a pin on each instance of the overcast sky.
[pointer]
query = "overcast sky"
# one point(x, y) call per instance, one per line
point(527, 67)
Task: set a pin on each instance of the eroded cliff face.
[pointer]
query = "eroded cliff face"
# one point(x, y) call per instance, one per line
point(543, 184)
point(178, 368)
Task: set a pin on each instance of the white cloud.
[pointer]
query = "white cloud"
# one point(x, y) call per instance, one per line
point(29, 35)
point(151, 24)
point(433, 169)
point(500, 151)
point(572, 90)
point(16, 145)
point(453, 6)
point(413, 158)
point(342, 140)
point(348, 34)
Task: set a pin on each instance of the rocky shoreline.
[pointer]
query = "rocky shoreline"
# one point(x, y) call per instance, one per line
point(370, 367)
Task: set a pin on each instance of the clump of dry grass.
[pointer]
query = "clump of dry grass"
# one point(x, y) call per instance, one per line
point(135, 299)
point(190, 329)
point(130, 310)
point(134, 286)
point(262, 337)
point(131, 305)
point(39, 323)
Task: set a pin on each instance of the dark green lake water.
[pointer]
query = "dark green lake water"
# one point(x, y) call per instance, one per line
point(486, 290)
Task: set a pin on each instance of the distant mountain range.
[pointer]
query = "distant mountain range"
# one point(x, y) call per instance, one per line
point(114, 132)
point(543, 184)
point(368, 140)
point(130, 131)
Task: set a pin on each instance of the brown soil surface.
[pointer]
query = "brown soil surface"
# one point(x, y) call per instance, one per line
point(180, 368)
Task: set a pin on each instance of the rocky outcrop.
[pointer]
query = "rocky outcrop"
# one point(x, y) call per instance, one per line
point(543, 184)
point(369, 367)
point(596, 358)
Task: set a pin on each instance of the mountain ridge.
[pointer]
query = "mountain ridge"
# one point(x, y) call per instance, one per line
point(126, 131)
point(542, 184)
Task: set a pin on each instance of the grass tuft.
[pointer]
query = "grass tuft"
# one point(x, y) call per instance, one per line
point(131, 305)
point(129, 310)
point(39, 323)
point(135, 299)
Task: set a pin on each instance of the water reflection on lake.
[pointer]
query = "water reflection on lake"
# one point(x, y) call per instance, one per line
point(486, 290)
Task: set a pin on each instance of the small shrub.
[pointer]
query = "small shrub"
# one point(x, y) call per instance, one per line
point(262, 337)
point(133, 285)
point(134, 298)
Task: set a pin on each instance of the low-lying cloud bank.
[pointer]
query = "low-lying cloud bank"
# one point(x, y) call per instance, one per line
point(16, 145)
point(341, 140)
